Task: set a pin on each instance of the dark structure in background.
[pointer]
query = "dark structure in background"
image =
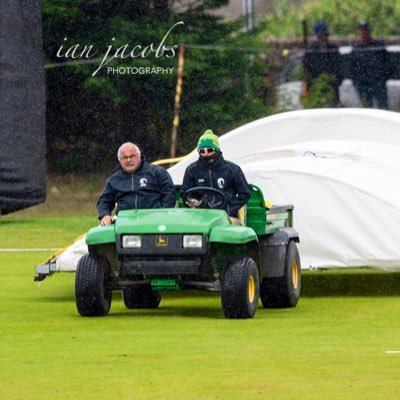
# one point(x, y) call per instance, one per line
point(22, 106)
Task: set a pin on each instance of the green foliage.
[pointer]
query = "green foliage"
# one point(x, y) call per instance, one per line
point(320, 94)
point(341, 16)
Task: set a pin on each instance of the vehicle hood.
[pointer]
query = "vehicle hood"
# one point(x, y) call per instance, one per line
point(170, 221)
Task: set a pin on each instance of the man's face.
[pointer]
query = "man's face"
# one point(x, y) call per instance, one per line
point(323, 38)
point(129, 159)
point(206, 152)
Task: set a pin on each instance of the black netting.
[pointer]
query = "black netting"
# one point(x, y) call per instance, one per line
point(22, 106)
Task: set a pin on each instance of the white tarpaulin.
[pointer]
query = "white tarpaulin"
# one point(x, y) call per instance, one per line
point(340, 168)
point(347, 209)
point(245, 143)
point(67, 261)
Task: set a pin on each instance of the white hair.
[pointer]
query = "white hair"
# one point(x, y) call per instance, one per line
point(128, 144)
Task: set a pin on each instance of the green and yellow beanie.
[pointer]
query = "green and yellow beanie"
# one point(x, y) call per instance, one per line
point(208, 139)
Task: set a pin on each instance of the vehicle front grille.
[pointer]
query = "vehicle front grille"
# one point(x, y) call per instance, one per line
point(160, 266)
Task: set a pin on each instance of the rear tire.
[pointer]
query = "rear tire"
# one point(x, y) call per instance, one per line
point(92, 296)
point(284, 292)
point(240, 288)
point(141, 297)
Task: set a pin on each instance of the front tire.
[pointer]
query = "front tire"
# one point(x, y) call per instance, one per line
point(92, 296)
point(141, 297)
point(240, 288)
point(284, 292)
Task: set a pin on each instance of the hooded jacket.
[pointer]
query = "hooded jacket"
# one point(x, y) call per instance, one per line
point(150, 186)
point(222, 175)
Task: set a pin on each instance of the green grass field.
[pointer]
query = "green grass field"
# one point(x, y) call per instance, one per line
point(336, 344)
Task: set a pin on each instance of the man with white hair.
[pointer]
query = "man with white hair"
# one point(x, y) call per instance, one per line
point(136, 185)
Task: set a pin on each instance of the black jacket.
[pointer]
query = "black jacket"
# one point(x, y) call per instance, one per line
point(221, 175)
point(369, 63)
point(150, 186)
point(320, 59)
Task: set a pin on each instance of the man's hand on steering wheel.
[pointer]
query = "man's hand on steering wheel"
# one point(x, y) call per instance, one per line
point(200, 196)
point(193, 203)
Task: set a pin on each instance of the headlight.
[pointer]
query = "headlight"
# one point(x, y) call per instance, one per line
point(131, 241)
point(195, 241)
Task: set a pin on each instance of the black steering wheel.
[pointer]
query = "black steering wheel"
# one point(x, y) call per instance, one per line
point(205, 197)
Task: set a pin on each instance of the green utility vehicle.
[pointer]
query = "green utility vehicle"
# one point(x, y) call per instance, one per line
point(146, 252)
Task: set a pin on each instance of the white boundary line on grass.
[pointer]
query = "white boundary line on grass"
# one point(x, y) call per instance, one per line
point(27, 250)
point(392, 351)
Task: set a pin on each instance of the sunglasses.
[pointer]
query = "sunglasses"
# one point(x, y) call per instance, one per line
point(206, 150)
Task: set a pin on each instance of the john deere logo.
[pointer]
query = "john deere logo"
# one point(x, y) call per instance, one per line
point(161, 241)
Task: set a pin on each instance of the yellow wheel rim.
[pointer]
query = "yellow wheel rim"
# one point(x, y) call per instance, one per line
point(295, 274)
point(252, 289)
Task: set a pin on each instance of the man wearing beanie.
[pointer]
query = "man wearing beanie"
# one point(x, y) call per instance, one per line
point(212, 170)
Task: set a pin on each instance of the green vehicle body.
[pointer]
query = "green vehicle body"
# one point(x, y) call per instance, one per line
point(164, 262)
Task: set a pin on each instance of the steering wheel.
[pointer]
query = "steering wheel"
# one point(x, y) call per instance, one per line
point(206, 197)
